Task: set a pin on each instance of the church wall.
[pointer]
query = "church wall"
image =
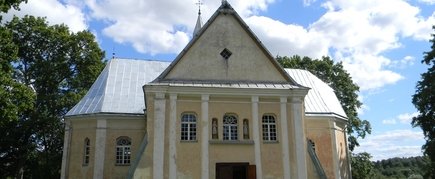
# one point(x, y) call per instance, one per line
point(322, 134)
point(271, 150)
point(220, 151)
point(188, 152)
point(203, 60)
point(145, 166)
point(81, 129)
point(188, 156)
point(342, 152)
point(135, 130)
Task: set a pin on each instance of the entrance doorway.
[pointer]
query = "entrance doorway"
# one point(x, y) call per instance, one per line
point(235, 171)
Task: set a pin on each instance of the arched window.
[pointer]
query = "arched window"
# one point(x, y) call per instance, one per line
point(269, 128)
point(188, 127)
point(123, 150)
point(230, 127)
point(86, 151)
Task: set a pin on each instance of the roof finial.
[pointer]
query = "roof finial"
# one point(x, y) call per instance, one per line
point(199, 3)
point(113, 52)
point(199, 20)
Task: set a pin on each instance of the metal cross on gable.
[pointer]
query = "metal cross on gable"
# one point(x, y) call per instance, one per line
point(199, 3)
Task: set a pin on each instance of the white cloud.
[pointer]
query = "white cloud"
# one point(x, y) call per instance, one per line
point(308, 2)
point(361, 110)
point(389, 144)
point(287, 39)
point(403, 63)
point(54, 11)
point(430, 2)
point(406, 118)
point(163, 26)
point(356, 32)
point(389, 121)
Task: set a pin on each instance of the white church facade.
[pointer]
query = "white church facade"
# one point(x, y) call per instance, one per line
point(223, 109)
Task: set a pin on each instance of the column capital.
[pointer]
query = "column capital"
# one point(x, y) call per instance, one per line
point(205, 97)
point(296, 99)
point(255, 99)
point(160, 95)
point(283, 99)
point(173, 96)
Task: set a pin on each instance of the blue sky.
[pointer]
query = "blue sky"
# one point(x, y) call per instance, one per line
point(380, 43)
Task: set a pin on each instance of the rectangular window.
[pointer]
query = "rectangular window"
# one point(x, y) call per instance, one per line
point(188, 127)
point(123, 151)
point(269, 128)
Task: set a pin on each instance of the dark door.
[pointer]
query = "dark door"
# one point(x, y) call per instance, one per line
point(235, 171)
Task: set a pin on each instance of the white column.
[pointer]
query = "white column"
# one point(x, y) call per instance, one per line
point(204, 136)
point(172, 136)
point(66, 148)
point(256, 136)
point(159, 135)
point(100, 148)
point(284, 138)
point(300, 141)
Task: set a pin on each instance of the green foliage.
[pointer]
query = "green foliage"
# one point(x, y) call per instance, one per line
point(412, 167)
point(16, 102)
point(362, 167)
point(424, 100)
point(5, 5)
point(56, 67)
point(345, 90)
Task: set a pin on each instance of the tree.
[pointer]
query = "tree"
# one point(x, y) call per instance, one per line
point(58, 66)
point(424, 100)
point(345, 89)
point(5, 5)
point(362, 167)
point(16, 102)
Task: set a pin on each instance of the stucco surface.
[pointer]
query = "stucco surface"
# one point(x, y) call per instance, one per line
point(204, 62)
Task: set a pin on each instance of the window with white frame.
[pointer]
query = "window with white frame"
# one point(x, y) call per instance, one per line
point(230, 127)
point(269, 128)
point(86, 151)
point(123, 151)
point(188, 127)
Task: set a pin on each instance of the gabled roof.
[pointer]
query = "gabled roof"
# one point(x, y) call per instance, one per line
point(226, 9)
point(118, 89)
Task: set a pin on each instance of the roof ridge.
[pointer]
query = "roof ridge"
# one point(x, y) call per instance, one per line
point(105, 82)
point(139, 59)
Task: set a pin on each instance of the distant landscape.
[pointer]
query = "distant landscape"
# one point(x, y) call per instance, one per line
point(411, 167)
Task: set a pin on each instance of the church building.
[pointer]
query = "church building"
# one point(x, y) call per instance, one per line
point(223, 108)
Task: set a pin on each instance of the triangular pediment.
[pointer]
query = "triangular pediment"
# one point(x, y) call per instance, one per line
point(225, 49)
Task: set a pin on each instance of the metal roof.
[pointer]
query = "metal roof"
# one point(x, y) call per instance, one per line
point(118, 89)
point(321, 99)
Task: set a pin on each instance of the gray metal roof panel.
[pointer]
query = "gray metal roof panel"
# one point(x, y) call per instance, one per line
point(321, 98)
point(118, 89)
